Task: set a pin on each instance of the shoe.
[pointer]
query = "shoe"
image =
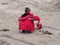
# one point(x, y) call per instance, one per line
point(23, 31)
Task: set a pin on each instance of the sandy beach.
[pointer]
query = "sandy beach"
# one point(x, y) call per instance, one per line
point(48, 11)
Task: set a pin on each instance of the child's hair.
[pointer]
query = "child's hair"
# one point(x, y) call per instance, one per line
point(27, 9)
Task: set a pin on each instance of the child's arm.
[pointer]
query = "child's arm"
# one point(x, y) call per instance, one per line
point(31, 17)
point(23, 18)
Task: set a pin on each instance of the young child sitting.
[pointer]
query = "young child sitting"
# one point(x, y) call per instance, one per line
point(26, 21)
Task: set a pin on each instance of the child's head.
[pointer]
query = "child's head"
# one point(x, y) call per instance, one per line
point(27, 9)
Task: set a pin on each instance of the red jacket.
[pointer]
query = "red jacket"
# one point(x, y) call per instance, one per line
point(26, 23)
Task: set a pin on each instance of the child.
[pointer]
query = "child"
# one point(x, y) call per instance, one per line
point(26, 23)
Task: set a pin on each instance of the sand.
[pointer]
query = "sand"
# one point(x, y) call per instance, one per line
point(48, 11)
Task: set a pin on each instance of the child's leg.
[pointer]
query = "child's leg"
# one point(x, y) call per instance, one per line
point(38, 19)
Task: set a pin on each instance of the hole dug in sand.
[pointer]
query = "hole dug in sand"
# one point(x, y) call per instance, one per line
point(47, 32)
point(4, 30)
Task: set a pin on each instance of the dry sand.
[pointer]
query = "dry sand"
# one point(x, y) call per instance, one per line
point(49, 11)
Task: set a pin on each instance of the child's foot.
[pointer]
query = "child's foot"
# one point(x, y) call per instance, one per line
point(23, 31)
